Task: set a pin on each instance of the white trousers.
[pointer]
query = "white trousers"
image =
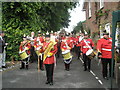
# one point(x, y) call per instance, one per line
point(2, 58)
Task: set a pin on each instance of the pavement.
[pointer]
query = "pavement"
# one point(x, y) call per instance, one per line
point(75, 78)
point(10, 65)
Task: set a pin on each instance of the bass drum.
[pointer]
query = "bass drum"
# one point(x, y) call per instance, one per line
point(23, 55)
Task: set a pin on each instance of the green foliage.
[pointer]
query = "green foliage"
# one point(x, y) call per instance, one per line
point(79, 27)
point(23, 17)
point(101, 13)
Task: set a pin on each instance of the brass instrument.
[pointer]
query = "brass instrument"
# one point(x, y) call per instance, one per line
point(48, 49)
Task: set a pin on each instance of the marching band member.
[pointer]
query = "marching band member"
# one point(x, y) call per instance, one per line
point(104, 47)
point(2, 50)
point(49, 49)
point(84, 48)
point(32, 49)
point(66, 46)
point(79, 39)
point(54, 38)
point(38, 43)
point(72, 41)
point(57, 39)
point(24, 51)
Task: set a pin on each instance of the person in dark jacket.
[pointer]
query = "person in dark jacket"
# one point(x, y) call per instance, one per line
point(2, 50)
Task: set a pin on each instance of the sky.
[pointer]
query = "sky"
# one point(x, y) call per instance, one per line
point(77, 15)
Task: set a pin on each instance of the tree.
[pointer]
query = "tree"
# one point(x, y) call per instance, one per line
point(79, 27)
point(20, 18)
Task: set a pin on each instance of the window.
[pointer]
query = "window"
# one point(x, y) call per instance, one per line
point(101, 4)
point(90, 12)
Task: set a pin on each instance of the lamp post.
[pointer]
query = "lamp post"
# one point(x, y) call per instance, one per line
point(115, 19)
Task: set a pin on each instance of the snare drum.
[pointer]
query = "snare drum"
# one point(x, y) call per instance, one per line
point(23, 55)
point(66, 54)
point(66, 51)
point(91, 54)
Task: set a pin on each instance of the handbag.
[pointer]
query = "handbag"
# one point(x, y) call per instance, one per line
point(90, 53)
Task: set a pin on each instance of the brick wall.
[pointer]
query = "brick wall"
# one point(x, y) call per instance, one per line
point(91, 22)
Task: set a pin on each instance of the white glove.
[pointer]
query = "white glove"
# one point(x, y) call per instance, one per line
point(48, 55)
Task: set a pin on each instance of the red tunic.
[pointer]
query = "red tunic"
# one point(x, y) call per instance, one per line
point(66, 45)
point(75, 40)
point(84, 47)
point(71, 42)
point(104, 46)
point(37, 42)
point(51, 59)
point(79, 39)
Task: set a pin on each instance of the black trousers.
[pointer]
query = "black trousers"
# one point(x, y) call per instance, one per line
point(58, 52)
point(67, 66)
point(41, 61)
point(24, 63)
point(49, 72)
point(77, 51)
point(87, 62)
point(33, 56)
point(105, 63)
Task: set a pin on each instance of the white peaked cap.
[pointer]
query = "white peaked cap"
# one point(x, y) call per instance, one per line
point(85, 32)
point(51, 31)
point(47, 33)
point(24, 35)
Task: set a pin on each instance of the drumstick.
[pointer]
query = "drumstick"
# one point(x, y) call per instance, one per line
point(99, 62)
point(38, 64)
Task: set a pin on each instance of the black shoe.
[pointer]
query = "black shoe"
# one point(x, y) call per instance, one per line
point(88, 70)
point(27, 67)
point(67, 69)
point(47, 82)
point(42, 69)
point(85, 69)
point(3, 66)
point(51, 83)
point(106, 78)
point(21, 68)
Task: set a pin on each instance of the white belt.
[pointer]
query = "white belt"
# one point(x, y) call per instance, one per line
point(85, 47)
point(106, 49)
point(66, 51)
point(38, 48)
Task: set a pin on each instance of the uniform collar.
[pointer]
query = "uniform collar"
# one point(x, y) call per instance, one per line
point(105, 38)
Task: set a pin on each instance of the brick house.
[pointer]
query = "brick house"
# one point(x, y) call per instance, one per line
point(99, 16)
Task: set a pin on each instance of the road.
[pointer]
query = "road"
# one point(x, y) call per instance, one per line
point(75, 78)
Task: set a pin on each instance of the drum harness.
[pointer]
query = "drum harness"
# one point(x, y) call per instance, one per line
point(87, 44)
